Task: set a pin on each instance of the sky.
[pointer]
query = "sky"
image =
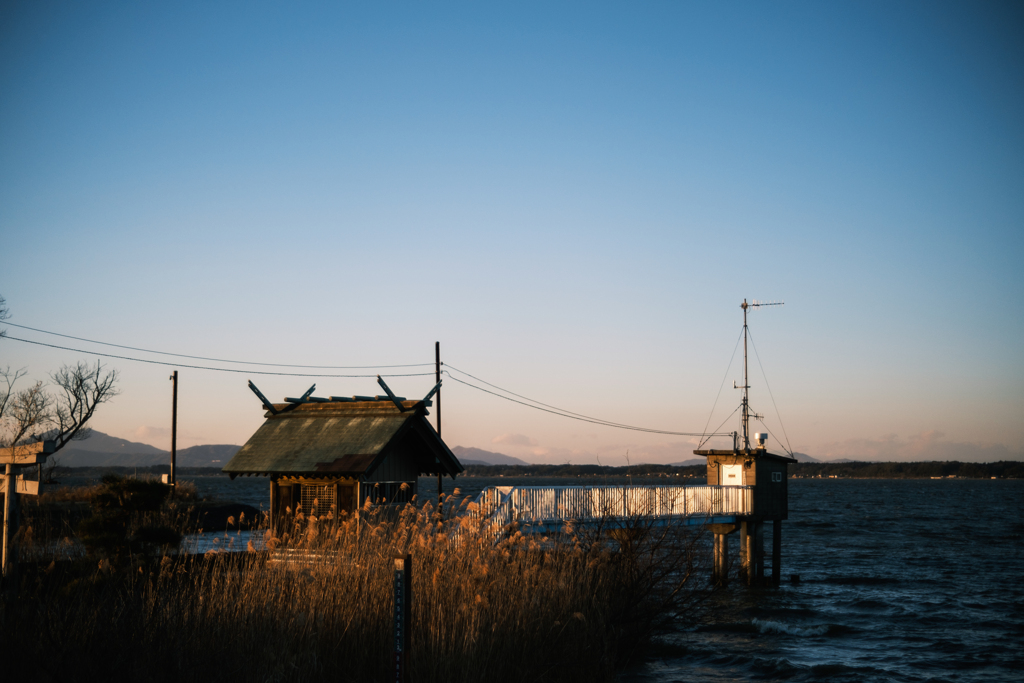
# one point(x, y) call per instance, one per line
point(572, 198)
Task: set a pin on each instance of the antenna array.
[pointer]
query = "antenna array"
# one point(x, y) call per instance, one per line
point(745, 404)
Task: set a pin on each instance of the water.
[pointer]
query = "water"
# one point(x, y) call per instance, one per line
point(901, 580)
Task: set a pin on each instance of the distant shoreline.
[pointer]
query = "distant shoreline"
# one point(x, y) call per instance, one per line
point(1004, 469)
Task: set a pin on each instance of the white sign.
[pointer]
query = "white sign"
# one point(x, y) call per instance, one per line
point(25, 486)
point(732, 475)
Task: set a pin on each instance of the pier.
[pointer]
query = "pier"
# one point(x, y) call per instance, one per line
point(544, 509)
point(723, 509)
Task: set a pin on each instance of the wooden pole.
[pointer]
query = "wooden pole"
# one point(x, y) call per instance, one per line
point(720, 573)
point(437, 396)
point(776, 552)
point(725, 561)
point(402, 608)
point(752, 562)
point(716, 565)
point(174, 425)
point(10, 489)
point(744, 552)
point(759, 553)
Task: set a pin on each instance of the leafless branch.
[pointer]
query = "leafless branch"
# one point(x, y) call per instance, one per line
point(81, 388)
point(26, 414)
point(9, 378)
point(5, 313)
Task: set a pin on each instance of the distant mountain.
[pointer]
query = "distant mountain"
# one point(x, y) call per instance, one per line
point(206, 456)
point(104, 443)
point(103, 450)
point(803, 457)
point(478, 456)
point(690, 463)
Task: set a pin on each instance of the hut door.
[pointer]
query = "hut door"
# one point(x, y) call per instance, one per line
point(732, 475)
point(348, 497)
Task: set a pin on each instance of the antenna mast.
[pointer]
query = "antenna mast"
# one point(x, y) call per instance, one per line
point(746, 382)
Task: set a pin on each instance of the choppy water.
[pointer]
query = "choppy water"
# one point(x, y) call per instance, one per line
point(901, 580)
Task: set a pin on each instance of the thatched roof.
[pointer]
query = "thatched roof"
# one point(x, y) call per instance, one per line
point(348, 439)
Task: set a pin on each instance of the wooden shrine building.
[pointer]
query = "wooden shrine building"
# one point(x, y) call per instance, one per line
point(330, 455)
point(766, 475)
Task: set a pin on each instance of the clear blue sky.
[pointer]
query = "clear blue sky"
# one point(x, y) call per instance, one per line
point(572, 198)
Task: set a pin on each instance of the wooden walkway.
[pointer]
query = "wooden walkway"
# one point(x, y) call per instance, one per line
point(541, 509)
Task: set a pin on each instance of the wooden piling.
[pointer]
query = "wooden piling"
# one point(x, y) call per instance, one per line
point(725, 560)
point(744, 552)
point(720, 570)
point(776, 552)
point(759, 553)
point(716, 564)
point(752, 561)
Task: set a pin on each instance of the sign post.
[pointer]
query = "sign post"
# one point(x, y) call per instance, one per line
point(403, 601)
point(13, 485)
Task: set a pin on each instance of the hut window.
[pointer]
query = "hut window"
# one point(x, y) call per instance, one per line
point(317, 499)
point(776, 476)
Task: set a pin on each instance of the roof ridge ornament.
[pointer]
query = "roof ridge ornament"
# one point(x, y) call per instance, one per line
point(391, 395)
point(263, 399)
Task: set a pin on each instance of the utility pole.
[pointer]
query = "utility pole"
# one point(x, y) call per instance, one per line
point(437, 377)
point(174, 426)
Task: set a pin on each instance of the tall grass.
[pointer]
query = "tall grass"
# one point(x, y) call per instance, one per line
point(575, 605)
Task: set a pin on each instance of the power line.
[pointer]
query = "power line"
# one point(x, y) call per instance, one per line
point(223, 360)
point(722, 386)
point(763, 374)
point(525, 398)
point(571, 416)
point(716, 432)
point(528, 402)
point(203, 367)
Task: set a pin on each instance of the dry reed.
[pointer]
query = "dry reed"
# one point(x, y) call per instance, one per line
point(571, 606)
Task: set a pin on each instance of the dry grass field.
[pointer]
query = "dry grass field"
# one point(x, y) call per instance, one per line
point(576, 605)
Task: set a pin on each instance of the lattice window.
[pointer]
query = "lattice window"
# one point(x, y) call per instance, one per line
point(317, 499)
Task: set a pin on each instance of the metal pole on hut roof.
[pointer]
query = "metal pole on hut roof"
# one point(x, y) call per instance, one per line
point(174, 426)
point(437, 375)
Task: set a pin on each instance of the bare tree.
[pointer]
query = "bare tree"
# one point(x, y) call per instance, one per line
point(5, 313)
point(81, 388)
point(33, 413)
point(26, 414)
point(10, 378)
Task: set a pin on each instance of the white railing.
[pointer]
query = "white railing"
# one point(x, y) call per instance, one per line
point(547, 505)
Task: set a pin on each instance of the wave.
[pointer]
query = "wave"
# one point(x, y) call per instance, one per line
point(856, 580)
point(768, 626)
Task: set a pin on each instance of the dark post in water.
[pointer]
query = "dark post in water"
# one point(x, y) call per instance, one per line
point(403, 602)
